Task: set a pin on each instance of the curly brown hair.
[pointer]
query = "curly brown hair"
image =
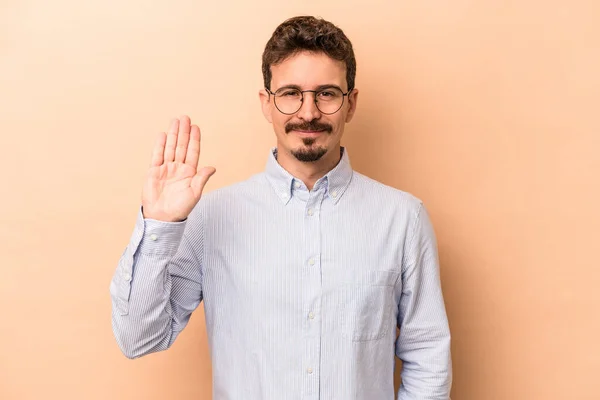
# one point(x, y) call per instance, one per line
point(307, 33)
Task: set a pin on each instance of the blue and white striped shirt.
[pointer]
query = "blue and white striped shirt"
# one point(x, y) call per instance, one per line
point(302, 290)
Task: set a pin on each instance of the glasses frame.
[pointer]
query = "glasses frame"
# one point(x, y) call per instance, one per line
point(302, 98)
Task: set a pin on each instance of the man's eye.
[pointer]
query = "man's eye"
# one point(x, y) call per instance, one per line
point(290, 93)
point(326, 94)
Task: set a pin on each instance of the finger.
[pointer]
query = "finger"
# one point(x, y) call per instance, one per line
point(171, 141)
point(183, 138)
point(159, 150)
point(193, 150)
point(201, 178)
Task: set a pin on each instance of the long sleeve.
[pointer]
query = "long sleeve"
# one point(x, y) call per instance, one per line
point(156, 285)
point(424, 341)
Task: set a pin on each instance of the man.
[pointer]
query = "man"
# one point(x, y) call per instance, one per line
point(306, 269)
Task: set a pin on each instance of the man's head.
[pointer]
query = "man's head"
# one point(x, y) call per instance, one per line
point(308, 59)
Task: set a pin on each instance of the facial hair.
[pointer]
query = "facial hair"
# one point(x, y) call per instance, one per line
point(308, 153)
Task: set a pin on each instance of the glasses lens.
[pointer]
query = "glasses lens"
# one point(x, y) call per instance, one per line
point(288, 101)
point(329, 100)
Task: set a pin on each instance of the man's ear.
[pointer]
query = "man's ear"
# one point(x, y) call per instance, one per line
point(352, 100)
point(265, 102)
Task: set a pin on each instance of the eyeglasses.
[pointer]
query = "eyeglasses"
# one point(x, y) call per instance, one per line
point(328, 100)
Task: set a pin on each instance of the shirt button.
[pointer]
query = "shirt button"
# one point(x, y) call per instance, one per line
point(311, 315)
point(297, 185)
point(127, 277)
point(154, 236)
point(311, 261)
point(284, 195)
point(309, 370)
point(334, 194)
point(310, 211)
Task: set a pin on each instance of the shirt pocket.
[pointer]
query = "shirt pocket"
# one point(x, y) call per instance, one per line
point(365, 301)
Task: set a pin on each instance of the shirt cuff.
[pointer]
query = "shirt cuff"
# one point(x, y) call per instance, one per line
point(159, 237)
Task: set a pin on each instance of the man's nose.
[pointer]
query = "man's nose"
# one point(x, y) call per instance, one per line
point(309, 111)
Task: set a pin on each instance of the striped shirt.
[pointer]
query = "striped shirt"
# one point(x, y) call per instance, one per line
point(302, 290)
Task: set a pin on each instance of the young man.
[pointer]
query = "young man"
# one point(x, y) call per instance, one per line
point(306, 269)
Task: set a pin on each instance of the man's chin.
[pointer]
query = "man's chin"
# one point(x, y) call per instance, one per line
point(309, 153)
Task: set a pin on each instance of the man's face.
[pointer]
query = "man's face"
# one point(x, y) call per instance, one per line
point(308, 134)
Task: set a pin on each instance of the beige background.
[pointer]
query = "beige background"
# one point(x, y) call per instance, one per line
point(487, 110)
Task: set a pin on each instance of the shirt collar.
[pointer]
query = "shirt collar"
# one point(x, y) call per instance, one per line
point(337, 180)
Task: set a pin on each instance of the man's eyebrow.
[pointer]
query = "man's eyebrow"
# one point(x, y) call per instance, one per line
point(329, 86)
point(290, 87)
point(320, 87)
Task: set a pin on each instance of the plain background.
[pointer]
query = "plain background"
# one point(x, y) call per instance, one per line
point(486, 110)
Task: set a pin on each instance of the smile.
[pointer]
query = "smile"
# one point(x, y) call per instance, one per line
point(308, 133)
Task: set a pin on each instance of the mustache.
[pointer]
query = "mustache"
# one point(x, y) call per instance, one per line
point(308, 126)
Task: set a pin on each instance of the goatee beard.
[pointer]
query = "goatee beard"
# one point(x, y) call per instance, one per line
point(309, 153)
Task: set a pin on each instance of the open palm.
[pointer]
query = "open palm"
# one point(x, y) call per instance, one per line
point(175, 182)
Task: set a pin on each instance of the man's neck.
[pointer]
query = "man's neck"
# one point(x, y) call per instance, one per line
point(309, 172)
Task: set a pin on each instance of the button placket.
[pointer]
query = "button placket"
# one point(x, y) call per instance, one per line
point(312, 296)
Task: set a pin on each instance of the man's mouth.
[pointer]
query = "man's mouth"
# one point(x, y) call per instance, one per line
point(308, 128)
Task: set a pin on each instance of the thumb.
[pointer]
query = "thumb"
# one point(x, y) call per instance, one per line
point(200, 179)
